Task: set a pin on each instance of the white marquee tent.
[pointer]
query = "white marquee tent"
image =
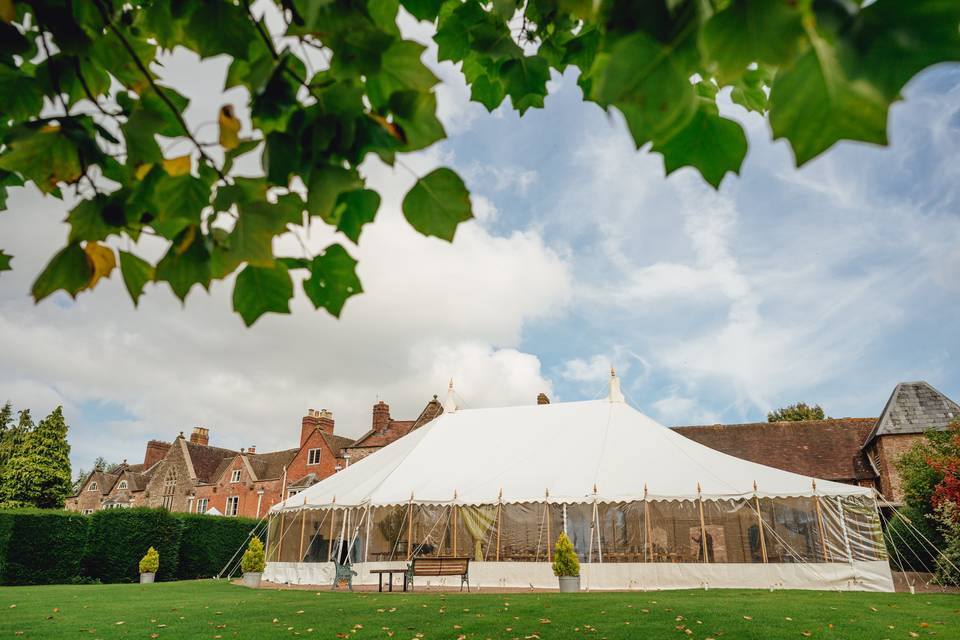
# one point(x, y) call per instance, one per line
point(645, 507)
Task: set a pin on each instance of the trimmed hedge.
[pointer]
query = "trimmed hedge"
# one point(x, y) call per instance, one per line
point(209, 542)
point(41, 546)
point(118, 538)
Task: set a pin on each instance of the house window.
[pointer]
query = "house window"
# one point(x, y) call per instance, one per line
point(202, 505)
point(92, 487)
point(233, 505)
point(235, 476)
point(122, 484)
point(87, 512)
point(169, 487)
point(292, 492)
point(313, 456)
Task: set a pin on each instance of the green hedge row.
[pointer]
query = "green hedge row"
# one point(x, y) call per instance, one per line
point(40, 546)
point(46, 546)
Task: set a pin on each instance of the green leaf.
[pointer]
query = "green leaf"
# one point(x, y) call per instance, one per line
point(526, 81)
point(45, 156)
point(423, 9)
point(87, 220)
point(416, 113)
point(437, 203)
point(69, 270)
point(710, 143)
point(136, 272)
point(748, 90)
point(355, 209)
point(490, 93)
point(333, 279)
point(20, 95)
point(280, 158)
point(179, 201)
point(646, 83)
point(814, 105)
point(261, 290)
point(894, 40)
point(186, 263)
point(401, 69)
point(252, 238)
point(221, 27)
point(748, 31)
point(326, 184)
point(5, 259)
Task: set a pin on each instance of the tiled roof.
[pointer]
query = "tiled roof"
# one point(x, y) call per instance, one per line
point(269, 466)
point(398, 428)
point(915, 407)
point(828, 449)
point(207, 460)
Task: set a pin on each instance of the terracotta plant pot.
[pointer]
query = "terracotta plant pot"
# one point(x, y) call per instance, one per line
point(569, 584)
point(147, 578)
point(252, 580)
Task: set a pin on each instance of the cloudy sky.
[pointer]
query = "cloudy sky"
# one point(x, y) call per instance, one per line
point(828, 284)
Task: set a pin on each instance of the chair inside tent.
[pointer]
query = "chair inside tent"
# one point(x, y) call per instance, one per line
point(645, 508)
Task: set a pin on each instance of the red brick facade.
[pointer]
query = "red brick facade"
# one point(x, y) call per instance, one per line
point(190, 475)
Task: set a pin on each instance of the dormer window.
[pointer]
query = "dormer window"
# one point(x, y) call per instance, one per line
point(235, 476)
point(93, 487)
point(122, 484)
point(313, 456)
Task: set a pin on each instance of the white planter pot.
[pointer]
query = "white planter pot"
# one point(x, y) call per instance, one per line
point(147, 578)
point(252, 580)
point(569, 584)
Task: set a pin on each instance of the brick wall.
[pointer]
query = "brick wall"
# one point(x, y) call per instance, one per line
point(86, 499)
point(246, 490)
point(885, 450)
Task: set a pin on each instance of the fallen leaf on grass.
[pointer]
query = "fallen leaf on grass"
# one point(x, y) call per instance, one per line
point(806, 634)
point(748, 617)
point(119, 622)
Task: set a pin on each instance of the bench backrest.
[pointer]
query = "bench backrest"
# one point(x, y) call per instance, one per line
point(442, 566)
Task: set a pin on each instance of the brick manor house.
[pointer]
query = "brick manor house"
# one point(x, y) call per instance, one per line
point(190, 475)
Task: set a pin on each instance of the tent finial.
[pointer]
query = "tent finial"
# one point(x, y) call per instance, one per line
point(450, 403)
point(615, 394)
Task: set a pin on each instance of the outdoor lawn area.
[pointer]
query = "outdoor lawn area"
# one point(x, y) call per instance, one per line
point(206, 609)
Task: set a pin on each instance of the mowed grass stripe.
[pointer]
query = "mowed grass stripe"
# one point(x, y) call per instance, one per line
point(208, 609)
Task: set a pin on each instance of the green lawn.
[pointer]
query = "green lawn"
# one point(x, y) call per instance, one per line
point(208, 609)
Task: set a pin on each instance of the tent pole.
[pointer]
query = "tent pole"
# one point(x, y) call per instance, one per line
point(546, 511)
point(333, 516)
point(366, 547)
point(499, 522)
point(703, 527)
point(596, 519)
point(820, 527)
point(763, 539)
point(453, 517)
point(280, 537)
point(303, 525)
point(410, 528)
point(647, 530)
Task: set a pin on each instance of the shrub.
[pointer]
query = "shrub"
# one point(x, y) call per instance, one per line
point(150, 562)
point(117, 538)
point(948, 562)
point(40, 546)
point(253, 560)
point(565, 561)
point(208, 543)
point(905, 546)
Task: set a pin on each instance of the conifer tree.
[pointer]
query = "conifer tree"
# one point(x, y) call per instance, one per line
point(38, 471)
point(12, 436)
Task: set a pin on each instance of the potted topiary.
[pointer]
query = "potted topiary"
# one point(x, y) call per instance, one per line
point(566, 565)
point(149, 565)
point(253, 563)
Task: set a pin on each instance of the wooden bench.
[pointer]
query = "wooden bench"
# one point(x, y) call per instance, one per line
point(438, 567)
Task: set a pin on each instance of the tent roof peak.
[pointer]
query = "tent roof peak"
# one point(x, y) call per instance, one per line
point(450, 402)
point(615, 395)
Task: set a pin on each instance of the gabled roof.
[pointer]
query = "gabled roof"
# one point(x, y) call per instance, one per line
point(828, 449)
point(269, 466)
point(914, 407)
point(207, 460)
point(103, 479)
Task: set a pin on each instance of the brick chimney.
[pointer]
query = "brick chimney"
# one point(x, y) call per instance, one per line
point(381, 416)
point(543, 399)
point(325, 421)
point(156, 451)
point(200, 435)
point(308, 425)
point(252, 449)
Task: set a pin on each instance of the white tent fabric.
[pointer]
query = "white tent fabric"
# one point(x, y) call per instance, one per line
point(592, 451)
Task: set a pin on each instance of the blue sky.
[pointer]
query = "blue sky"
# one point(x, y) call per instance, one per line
point(827, 284)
